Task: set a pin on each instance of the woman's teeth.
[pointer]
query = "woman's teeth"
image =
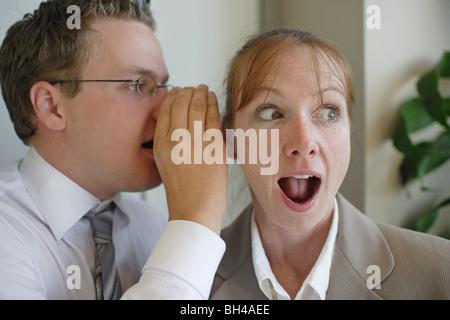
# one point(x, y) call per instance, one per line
point(305, 176)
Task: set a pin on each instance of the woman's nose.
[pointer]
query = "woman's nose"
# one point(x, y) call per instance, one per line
point(301, 138)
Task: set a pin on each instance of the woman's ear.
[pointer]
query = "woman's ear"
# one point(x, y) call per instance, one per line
point(228, 137)
point(45, 98)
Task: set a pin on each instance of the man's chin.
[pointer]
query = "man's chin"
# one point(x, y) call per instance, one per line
point(152, 183)
point(144, 182)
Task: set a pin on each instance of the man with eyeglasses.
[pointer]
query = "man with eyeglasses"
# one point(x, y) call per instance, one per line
point(86, 101)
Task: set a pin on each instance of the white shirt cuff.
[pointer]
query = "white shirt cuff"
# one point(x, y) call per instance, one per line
point(189, 251)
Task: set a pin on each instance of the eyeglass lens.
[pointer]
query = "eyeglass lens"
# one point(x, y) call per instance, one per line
point(148, 86)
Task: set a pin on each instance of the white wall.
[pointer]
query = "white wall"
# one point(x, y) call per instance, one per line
point(198, 39)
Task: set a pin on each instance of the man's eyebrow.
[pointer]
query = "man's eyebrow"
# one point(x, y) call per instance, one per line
point(139, 71)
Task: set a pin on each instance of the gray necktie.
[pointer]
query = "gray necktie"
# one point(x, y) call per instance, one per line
point(106, 276)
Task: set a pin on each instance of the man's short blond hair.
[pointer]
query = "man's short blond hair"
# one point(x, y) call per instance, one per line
point(42, 47)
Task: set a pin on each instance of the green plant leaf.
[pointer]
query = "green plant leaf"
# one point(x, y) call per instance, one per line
point(429, 93)
point(414, 116)
point(431, 98)
point(428, 157)
point(447, 105)
point(427, 164)
point(408, 169)
point(419, 113)
point(428, 219)
point(425, 223)
point(401, 139)
point(444, 67)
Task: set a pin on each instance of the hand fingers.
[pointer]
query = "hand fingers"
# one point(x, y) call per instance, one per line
point(213, 122)
point(180, 109)
point(212, 112)
point(163, 124)
point(198, 106)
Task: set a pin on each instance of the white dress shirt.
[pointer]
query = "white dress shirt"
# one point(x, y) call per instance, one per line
point(316, 283)
point(47, 250)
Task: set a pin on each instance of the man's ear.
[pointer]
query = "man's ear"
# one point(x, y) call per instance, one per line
point(45, 99)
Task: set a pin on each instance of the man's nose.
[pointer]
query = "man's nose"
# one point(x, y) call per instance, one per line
point(157, 101)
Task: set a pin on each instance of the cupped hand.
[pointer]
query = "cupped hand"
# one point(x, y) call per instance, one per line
point(195, 191)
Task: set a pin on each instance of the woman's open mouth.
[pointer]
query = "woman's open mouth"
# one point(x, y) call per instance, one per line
point(300, 191)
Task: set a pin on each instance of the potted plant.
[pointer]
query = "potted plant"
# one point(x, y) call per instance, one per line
point(429, 108)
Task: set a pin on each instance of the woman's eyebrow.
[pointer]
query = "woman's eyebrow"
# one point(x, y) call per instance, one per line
point(328, 89)
point(271, 90)
point(319, 92)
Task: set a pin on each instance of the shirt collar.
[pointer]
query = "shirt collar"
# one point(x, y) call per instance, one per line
point(61, 201)
point(315, 284)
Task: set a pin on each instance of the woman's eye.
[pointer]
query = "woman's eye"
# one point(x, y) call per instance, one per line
point(329, 113)
point(270, 113)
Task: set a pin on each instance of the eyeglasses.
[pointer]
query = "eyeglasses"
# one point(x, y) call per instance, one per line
point(146, 86)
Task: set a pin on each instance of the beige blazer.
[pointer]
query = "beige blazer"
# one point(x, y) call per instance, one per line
point(412, 265)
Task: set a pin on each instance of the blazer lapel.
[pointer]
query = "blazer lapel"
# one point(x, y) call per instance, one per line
point(235, 278)
point(360, 247)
